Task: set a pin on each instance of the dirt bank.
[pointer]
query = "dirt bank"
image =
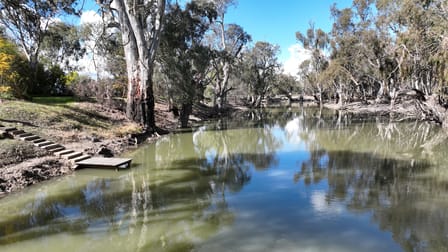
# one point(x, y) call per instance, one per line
point(402, 110)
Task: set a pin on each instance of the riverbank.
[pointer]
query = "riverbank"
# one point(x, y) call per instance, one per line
point(81, 126)
point(403, 110)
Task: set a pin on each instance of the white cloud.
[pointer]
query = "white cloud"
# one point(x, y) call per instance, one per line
point(86, 64)
point(90, 17)
point(297, 54)
point(45, 23)
point(293, 130)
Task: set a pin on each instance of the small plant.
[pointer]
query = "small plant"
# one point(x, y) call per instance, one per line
point(6, 92)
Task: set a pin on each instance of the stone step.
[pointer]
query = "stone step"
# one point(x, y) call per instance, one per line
point(57, 149)
point(43, 143)
point(51, 146)
point(81, 158)
point(63, 152)
point(24, 135)
point(40, 140)
point(17, 132)
point(29, 138)
point(9, 129)
point(3, 135)
point(72, 155)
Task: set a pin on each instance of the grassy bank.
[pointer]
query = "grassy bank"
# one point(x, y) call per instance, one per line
point(81, 126)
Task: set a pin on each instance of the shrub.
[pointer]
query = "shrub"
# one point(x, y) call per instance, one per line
point(5, 92)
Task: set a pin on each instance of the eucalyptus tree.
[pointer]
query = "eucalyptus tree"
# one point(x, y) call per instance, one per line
point(286, 84)
point(424, 40)
point(61, 45)
point(140, 23)
point(105, 48)
point(228, 41)
point(233, 38)
point(418, 33)
point(183, 57)
point(377, 49)
point(317, 41)
point(259, 69)
point(28, 22)
point(363, 50)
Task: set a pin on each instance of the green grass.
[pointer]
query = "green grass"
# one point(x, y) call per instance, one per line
point(58, 119)
point(53, 113)
point(54, 100)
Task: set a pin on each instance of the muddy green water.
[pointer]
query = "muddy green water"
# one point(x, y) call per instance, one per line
point(283, 180)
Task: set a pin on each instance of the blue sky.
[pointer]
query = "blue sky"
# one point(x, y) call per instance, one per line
point(277, 21)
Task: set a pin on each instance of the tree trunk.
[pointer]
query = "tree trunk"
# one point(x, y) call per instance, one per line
point(319, 96)
point(340, 100)
point(221, 87)
point(185, 114)
point(141, 38)
point(431, 110)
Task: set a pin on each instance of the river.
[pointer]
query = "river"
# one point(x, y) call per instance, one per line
point(295, 179)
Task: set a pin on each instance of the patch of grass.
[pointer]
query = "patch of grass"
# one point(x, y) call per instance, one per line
point(45, 119)
point(13, 151)
point(130, 128)
point(55, 100)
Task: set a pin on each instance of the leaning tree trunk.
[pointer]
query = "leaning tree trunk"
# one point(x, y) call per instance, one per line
point(431, 109)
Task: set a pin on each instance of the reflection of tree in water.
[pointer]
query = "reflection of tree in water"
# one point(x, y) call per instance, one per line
point(145, 211)
point(228, 148)
point(152, 207)
point(379, 167)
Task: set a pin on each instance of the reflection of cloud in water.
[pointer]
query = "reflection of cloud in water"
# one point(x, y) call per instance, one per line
point(292, 130)
point(322, 206)
point(277, 234)
point(279, 174)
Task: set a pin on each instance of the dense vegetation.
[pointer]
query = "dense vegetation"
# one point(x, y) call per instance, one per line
point(378, 51)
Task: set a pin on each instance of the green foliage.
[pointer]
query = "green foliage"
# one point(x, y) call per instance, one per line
point(184, 59)
point(259, 70)
point(17, 79)
point(28, 21)
point(379, 47)
point(14, 71)
point(61, 43)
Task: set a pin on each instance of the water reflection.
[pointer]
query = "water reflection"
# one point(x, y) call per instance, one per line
point(289, 179)
point(129, 206)
point(389, 175)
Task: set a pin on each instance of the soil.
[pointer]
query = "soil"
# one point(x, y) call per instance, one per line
point(23, 165)
point(402, 110)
